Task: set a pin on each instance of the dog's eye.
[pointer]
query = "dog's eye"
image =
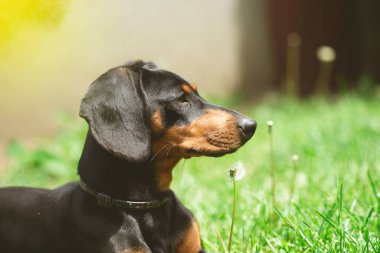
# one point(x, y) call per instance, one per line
point(183, 99)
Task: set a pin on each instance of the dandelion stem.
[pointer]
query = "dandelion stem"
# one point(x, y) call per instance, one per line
point(233, 216)
point(294, 175)
point(270, 124)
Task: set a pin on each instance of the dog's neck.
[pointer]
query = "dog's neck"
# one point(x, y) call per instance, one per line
point(114, 176)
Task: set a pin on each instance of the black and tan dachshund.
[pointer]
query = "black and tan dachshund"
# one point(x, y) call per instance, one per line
point(142, 121)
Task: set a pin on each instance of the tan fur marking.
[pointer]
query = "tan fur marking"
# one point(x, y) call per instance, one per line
point(164, 169)
point(191, 240)
point(194, 86)
point(162, 157)
point(212, 133)
point(156, 122)
point(186, 88)
point(164, 160)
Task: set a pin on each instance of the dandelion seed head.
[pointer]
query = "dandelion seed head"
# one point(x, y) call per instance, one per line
point(270, 124)
point(326, 54)
point(237, 171)
point(295, 157)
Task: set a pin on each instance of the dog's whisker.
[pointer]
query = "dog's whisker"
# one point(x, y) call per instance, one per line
point(155, 155)
point(181, 170)
point(167, 154)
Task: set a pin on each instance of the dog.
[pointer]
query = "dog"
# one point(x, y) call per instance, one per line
point(142, 121)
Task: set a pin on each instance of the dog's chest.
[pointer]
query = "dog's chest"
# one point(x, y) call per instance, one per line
point(158, 234)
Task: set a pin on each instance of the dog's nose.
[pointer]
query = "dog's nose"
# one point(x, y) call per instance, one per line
point(247, 128)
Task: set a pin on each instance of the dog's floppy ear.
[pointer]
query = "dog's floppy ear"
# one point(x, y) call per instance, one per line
point(115, 109)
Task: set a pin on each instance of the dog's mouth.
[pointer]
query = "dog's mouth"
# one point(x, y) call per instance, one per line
point(213, 148)
point(195, 152)
point(225, 144)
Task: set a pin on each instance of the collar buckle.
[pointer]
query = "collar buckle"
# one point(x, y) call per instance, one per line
point(103, 200)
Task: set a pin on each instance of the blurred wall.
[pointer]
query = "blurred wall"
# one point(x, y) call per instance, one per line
point(52, 50)
point(257, 71)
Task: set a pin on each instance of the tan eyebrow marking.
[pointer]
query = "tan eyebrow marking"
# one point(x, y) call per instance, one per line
point(194, 86)
point(186, 88)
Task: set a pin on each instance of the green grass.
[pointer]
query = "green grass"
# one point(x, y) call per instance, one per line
point(336, 202)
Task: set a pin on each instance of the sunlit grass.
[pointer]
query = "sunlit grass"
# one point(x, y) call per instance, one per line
point(329, 203)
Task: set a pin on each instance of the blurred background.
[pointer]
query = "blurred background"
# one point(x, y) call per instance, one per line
point(50, 51)
point(312, 67)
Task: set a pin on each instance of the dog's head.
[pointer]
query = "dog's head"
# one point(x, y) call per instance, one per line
point(136, 110)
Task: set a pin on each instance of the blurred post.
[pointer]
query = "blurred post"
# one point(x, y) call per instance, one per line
point(326, 56)
point(317, 23)
point(292, 85)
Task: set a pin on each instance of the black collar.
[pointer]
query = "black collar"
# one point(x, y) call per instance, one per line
point(107, 201)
